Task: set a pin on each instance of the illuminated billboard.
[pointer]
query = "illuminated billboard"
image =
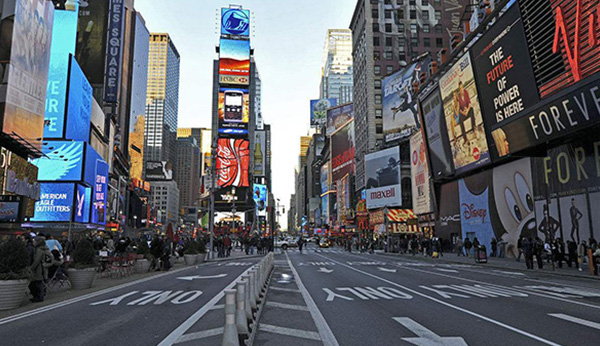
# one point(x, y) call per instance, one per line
point(233, 161)
point(234, 62)
point(235, 21)
point(91, 38)
point(114, 49)
point(62, 161)
point(55, 204)
point(64, 37)
point(318, 111)
point(421, 192)
point(260, 153)
point(342, 152)
point(82, 204)
point(234, 111)
point(99, 194)
point(339, 116)
point(79, 107)
point(159, 170)
point(382, 178)
point(25, 54)
point(259, 194)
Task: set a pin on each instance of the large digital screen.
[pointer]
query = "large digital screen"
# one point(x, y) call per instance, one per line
point(463, 116)
point(159, 170)
point(324, 177)
point(234, 111)
point(318, 111)
point(82, 204)
point(233, 159)
point(10, 208)
point(64, 37)
point(421, 191)
point(260, 153)
point(437, 135)
point(100, 193)
point(91, 38)
point(56, 202)
point(339, 116)
point(505, 76)
point(259, 194)
point(62, 161)
point(235, 21)
point(234, 62)
point(26, 33)
point(400, 114)
point(342, 152)
point(79, 108)
point(382, 178)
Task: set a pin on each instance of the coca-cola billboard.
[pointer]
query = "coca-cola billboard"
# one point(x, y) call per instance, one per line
point(233, 160)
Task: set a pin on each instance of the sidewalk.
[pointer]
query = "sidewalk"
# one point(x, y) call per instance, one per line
point(502, 263)
point(235, 254)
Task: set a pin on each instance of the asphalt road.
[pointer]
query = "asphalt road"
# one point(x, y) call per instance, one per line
point(363, 299)
point(157, 310)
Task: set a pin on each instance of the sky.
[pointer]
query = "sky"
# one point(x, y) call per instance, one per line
point(288, 38)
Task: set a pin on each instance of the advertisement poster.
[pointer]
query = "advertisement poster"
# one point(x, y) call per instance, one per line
point(100, 193)
point(463, 116)
point(234, 62)
point(79, 109)
point(64, 38)
point(382, 178)
point(91, 39)
point(26, 79)
point(474, 194)
point(324, 178)
point(233, 161)
point(325, 208)
point(159, 170)
point(421, 193)
point(448, 215)
point(55, 204)
point(342, 152)
point(19, 177)
point(114, 50)
point(339, 116)
point(318, 111)
point(259, 195)
point(63, 161)
point(260, 153)
point(82, 204)
point(10, 209)
point(400, 114)
point(234, 111)
point(437, 136)
point(504, 75)
point(235, 21)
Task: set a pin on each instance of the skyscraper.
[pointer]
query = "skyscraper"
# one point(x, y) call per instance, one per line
point(337, 76)
point(187, 173)
point(162, 100)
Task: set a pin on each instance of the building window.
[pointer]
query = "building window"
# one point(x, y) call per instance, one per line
point(375, 27)
point(400, 2)
point(400, 27)
point(376, 41)
point(388, 41)
point(377, 69)
point(389, 55)
point(376, 55)
point(378, 114)
point(388, 27)
point(424, 2)
point(377, 83)
point(439, 42)
point(427, 42)
point(413, 14)
point(400, 14)
point(426, 28)
point(378, 129)
point(438, 29)
point(387, 14)
point(413, 28)
point(402, 57)
point(412, 2)
point(389, 69)
point(425, 15)
point(377, 99)
point(374, 13)
point(438, 14)
point(414, 41)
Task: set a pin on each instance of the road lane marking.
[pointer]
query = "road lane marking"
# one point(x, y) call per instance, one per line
point(508, 273)
point(283, 289)
point(325, 270)
point(447, 270)
point(218, 307)
point(187, 324)
point(197, 277)
point(325, 332)
point(489, 319)
point(287, 306)
point(425, 336)
point(386, 270)
point(577, 320)
point(289, 332)
point(199, 335)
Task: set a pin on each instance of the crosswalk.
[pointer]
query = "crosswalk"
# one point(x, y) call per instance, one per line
point(319, 250)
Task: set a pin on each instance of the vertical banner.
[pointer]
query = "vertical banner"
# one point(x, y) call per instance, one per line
point(114, 50)
point(437, 135)
point(421, 193)
point(233, 159)
point(463, 116)
point(342, 152)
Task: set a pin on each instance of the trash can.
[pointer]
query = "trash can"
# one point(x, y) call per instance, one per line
point(481, 254)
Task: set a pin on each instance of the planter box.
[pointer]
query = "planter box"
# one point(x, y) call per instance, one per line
point(141, 266)
point(190, 259)
point(11, 293)
point(81, 278)
point(200, 258)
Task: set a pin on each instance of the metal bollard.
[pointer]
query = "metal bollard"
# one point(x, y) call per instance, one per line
point(240, 311)
point(230, 333)
point(248, 306)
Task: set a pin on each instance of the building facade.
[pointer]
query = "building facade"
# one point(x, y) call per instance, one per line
point(187, 173)
point(164, 196)
point(337, 75)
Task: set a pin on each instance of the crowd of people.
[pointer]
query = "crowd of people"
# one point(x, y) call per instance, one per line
point(248, 243)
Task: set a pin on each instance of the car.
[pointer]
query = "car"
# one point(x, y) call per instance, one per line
point(324, 243)
point(285, 243)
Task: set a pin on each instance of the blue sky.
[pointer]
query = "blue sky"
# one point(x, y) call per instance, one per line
point(288, 39)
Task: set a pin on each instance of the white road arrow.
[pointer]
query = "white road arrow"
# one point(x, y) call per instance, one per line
point(190, 278)
point(426, 336)
point(325, 270)
point(387, 270)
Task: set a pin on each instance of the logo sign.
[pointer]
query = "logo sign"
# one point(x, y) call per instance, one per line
point(382, 178)
point(56, 202)
point(82, 204)
point(234, 61)
point(235, 21)
point(233, 160)
point(63, 161)
point(113, 50)
point(318, 111)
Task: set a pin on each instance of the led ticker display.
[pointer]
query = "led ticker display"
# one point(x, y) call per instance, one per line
point(56, 202)
point(79, 108)
point(100, 191)
point(234, 111)
point(233, 161)
point(234, 62)
point(235, 21)
point(62, 161)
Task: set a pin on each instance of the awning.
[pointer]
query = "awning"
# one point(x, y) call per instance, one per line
point(400, 215)
point(403, 228)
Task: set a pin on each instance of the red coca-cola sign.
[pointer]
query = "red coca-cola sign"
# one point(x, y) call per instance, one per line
point(233, 160)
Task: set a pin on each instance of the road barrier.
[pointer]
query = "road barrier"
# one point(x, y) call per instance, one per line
point(244, 304)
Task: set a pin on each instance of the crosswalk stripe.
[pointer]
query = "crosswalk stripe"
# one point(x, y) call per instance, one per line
point(287, 306)
point(577, 320)
point(283, 289)
point(289, 332)
point(199, 335)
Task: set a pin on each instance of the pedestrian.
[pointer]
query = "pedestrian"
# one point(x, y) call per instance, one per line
point(440, 247)
point(494, 247)
point(520, 248)
point(572, 254)
point(300, 243)
point(36, 286)
point(467, 245)
point(538, 250)
point(582, 253)
point(528, 252)
point(476, 243)
point(459, 246)
point(560, 251)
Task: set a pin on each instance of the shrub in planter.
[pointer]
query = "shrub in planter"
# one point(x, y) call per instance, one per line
point(83, 272)
point(190, 253)
point(14, 273)
point(201, 248)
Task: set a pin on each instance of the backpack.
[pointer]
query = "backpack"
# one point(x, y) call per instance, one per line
point(47, 259)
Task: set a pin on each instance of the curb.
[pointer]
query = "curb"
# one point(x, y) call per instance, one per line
point(428, 259)
point(225, 259)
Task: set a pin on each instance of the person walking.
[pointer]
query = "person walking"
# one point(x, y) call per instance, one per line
point(467, 244)
point(582, 253)
point(36, 287)
point(572, 254)
point(560, 251)
point(494, 247)
point(538, 250)
point(459, 246)
point(300, 243)
point(528, 252)
point(520, 248)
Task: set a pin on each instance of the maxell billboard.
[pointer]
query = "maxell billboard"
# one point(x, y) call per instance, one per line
point(382, 178)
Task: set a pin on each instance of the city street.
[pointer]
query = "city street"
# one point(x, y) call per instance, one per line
point(364, 299)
